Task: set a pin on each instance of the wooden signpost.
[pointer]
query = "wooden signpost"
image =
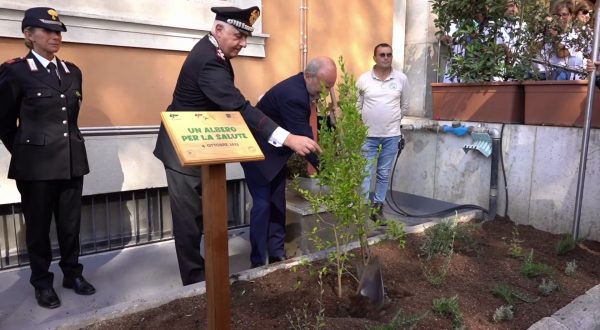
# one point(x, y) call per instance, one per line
point(210, 139)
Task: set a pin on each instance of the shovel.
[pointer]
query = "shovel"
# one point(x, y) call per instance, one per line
point(371, 282)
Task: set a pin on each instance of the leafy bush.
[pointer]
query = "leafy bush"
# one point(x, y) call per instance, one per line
point(532, 269)
point(565, 245)
point(344, 198)
point(515, 249)
point(395, 231)
point(505, 292)
point(449, 307)
point(475, 54)
point(401, 321)
point(439, 239)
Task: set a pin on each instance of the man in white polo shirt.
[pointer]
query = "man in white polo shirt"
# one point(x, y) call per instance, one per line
point(383, 99)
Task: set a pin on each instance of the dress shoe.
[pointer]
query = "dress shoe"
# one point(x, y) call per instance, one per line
point(376, 211)
point(47, 298)
point(273, 260)
point(79, 284)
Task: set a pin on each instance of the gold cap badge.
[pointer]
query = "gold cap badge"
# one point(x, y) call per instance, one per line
point(253, 16)
point(53, 13)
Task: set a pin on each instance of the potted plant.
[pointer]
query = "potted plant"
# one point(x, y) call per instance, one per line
point(560, 102)
point(499, 60)
point(478, 66)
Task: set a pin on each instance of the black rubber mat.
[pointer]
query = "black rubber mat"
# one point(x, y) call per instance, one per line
point(417, 205)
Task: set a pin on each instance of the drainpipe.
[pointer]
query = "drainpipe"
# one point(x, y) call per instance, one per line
point(303, 33)
point(496, 149)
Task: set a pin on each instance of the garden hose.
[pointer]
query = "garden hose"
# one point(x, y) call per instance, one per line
point(398, 210)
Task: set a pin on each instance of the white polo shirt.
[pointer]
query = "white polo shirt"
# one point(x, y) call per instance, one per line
point(382, 103)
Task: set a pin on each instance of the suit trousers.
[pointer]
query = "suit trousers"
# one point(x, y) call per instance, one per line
point(186, 209)
point(267, 218)
point(40, 200)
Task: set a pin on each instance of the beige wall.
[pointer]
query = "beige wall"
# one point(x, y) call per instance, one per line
point(130, 86)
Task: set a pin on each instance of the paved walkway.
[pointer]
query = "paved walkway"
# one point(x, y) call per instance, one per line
point(125, 280)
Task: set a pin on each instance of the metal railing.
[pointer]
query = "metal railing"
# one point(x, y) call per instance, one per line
point(112, 221)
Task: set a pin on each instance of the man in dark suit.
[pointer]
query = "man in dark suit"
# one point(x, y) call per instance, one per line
point(39, 105)
point(289, 104)
point(206, 82)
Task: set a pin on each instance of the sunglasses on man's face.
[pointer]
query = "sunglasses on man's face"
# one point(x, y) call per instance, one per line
point(586, 12)
point(385, 55)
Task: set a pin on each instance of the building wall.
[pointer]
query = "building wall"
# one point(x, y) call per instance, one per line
point(131, 85)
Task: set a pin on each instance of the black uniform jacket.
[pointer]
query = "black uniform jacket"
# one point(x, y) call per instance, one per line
point(38, 120)
point(288, 104)
point(206, 83)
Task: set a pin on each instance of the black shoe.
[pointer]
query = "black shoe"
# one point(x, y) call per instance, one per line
point(376, 211)
point(79, 284)
point(255, 265)
point(47, 298)
point(273, 260)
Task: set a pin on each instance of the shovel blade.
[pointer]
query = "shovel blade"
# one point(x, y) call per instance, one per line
point(371, 283)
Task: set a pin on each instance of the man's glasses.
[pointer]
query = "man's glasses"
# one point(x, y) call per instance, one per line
point(586, 12)
point(385, 55)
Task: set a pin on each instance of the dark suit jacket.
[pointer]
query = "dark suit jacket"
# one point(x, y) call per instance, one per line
point(46, 144)
point(288, 104)
point(206, 83)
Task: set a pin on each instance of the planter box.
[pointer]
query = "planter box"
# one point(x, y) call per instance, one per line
point(495, 102)
point(559, 103)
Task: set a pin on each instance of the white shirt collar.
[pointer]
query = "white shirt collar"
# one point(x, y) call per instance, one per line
point(43, 60)
point(391, 75)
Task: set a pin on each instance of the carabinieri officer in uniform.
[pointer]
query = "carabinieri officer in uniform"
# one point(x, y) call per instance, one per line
point(206, 82)
point(40, 97)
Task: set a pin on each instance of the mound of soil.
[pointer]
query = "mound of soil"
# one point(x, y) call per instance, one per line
point(286, 298)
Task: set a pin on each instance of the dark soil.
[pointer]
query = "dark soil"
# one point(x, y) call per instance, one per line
point(264, 303)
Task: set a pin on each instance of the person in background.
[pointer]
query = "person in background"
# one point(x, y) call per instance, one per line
point(206, 82)
point(511, 27)
point(40, 97)
point(560, 51)
point(590, 67)
point(382, 101)
point(583, 11)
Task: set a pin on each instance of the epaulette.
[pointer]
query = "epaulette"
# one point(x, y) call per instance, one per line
point(15, 60)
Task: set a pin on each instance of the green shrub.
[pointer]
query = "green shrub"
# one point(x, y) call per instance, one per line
point(439, 239)
point(344, 198)
point(395, 231)
point(515, 249)
point(565, 245)
point(449, 307)
point(401, 321)
point(505, 292)
point(531, 269)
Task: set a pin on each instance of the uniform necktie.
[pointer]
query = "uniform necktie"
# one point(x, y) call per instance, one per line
point(52, 67)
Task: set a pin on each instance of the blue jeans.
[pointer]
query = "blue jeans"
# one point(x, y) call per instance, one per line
point(385, 162)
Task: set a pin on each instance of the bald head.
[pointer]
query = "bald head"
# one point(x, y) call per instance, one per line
point(320, 70)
